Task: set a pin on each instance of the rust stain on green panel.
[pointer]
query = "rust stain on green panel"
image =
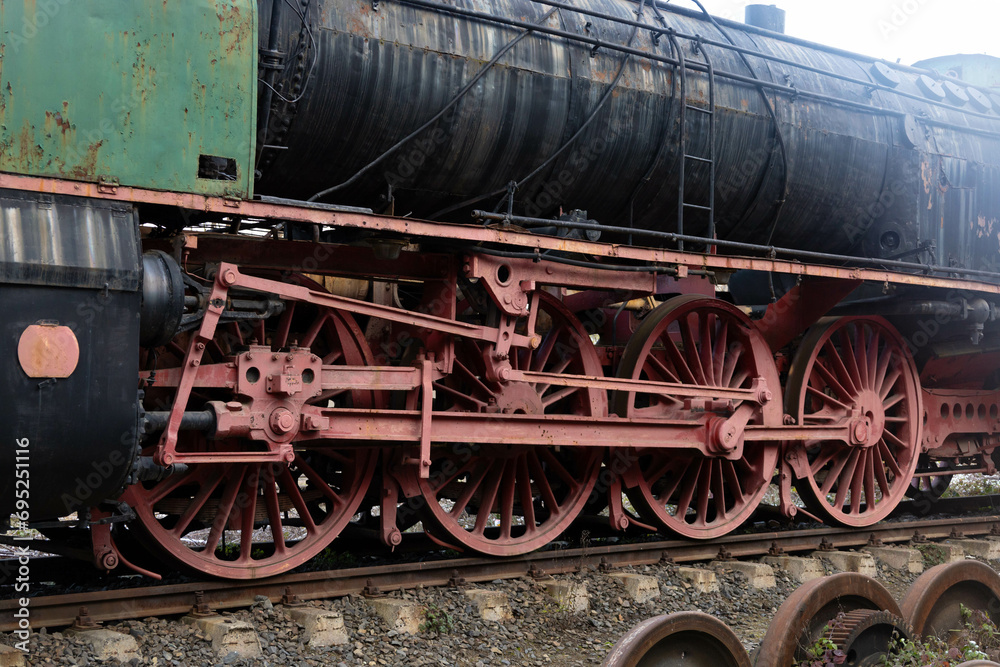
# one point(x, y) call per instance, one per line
point(136, 90)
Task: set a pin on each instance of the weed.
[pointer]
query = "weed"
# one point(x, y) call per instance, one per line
point(437, 621)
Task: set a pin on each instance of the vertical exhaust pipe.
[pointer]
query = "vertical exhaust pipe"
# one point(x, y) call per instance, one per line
point(768, 17)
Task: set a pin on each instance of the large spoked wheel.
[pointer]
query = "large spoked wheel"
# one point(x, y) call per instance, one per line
point(704, 342)
point(857, 371)
point(249, 521)
point(504, 500)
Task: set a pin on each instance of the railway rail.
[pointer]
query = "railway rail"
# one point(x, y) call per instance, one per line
point(165, 600)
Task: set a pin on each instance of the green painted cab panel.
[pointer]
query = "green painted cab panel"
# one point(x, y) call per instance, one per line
point(134, 90)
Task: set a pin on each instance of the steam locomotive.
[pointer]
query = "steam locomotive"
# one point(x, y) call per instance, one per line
point(275, 270)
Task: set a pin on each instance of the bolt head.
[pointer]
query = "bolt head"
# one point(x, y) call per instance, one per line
point(282, 421)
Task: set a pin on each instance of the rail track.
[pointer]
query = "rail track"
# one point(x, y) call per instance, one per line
point(165, 600)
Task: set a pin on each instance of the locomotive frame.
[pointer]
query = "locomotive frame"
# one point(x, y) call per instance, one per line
point(719, 423)
point(527, 375)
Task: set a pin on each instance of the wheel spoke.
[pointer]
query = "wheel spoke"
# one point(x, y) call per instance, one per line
point(469, 489)
point(861, 356)
point(870, 499)
point(318, 482)
point(291, 488)
point(525, 495)
point(822, 459)
point(280, 339)
point(888, 458)
point(880, 476)
point(733, 484)
point(541, 357)
point(560, 470)
point(721, 356)
point(733, 362)
point(719, 489)
point(873, 360)
point(850, 358)
point(206, 489)
point(557, 396)
point(507, 484)
point(474, 403)
point(827, 398)
point(248, 513)
point(274, 511)
point(890, 382)
point(693, 358)
point(831, 381)
point(225, 507)
point(677, 359)
point(845, 478)
point(489, 498)
point(687, 495)
point(865, 365)
point(857, 481)
point(467, 466)
point(843, 377)
point(309, 337)
point(548, 497)
point(207, 494)
point(704, 491)
point(471, 377)
point(833, 475)
point(172, 483)
point(706, 334)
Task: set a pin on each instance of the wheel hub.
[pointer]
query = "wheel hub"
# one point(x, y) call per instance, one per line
point(868, 426)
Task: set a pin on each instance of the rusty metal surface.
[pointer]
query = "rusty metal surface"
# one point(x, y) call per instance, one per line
point(684, 639)
point(869, 635)
point(129, 92)
point(54, 611)
point(805, 615)
point(933, 605)
point(48, 351)
point(471, 234)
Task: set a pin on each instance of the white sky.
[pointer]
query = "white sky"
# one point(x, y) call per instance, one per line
point(909, 30)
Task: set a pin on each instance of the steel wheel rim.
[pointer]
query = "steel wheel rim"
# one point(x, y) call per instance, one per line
point(933, 603)
point(534, 493)
point(318, 493)
point(857, 362)
point(800, 620)
point(695, 496)
point(686, 639)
